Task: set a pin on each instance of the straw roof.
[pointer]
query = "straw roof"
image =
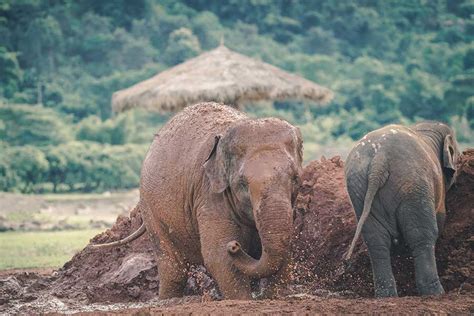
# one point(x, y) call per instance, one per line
point(219, 75)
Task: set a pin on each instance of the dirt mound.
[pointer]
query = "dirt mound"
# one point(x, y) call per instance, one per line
point(326, 224)
point(455, 250)
point(115, 274)
point(121, 274)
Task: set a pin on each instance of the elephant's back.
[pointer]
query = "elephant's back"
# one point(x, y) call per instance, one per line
point(407, 158)
point(191, 128)
point(197, 122)
point(392, 141)
point(180, 145)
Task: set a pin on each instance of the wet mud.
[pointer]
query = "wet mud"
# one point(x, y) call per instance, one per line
point(125, 279)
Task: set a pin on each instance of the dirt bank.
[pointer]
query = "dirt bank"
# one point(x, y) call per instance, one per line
point(324, 226)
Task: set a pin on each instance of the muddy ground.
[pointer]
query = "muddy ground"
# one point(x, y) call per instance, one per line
point(125, 280)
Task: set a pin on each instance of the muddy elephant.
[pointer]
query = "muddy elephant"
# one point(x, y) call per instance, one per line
point(397, 178)
point(217, 188)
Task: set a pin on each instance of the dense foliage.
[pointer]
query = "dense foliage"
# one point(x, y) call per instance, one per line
point(387, 61)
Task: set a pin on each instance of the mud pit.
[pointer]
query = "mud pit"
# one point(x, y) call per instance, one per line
point(125, 279)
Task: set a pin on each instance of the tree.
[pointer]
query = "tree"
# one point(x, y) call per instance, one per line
point(41, 44)
point(30, 165)
point(8, 176)
point(113, 131)
point(57, 162)
point(424, 97)
point(182, 45)
point(460, 92)
point(26, 124)
point(470, 112)
point(11, 73)
point(319, 41)
point(208, 30)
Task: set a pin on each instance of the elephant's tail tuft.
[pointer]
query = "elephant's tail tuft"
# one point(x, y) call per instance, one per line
point(377, 176)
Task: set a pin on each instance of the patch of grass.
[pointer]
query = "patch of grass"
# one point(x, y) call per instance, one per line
point(73, 197)
point(41, 249)
point(79, 197)
point(19, 216)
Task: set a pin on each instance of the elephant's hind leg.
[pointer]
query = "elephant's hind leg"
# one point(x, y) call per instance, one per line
point(420, 231)
point(378, 243)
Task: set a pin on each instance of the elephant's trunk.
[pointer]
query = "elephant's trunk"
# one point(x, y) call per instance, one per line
point(274, 219)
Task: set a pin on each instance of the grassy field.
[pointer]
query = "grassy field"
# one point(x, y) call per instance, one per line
point(41, 249)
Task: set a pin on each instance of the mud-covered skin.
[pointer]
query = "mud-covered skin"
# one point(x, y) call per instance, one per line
point(211, 177)
point(397, 178)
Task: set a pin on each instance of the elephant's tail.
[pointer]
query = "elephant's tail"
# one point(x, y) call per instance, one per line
point(377, 176)
point(140, 231)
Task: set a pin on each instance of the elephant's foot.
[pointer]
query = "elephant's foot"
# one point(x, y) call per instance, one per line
point(384, 281)
point(168, 292)
point(233, 285)
point(171, 287)
point(435, 288)
point(172, 270)
point(173, 277)
point(426, 273)
point(386, 292)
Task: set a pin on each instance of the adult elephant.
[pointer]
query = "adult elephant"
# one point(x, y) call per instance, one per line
point(217, 188)
point(397, 178)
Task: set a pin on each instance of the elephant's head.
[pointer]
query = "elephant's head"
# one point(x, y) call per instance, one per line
point(443, 139)
point(256, 164)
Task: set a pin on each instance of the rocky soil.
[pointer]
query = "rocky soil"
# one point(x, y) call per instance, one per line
point(125, 279)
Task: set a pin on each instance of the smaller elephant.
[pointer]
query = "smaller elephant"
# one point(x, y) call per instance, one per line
point(397, 178)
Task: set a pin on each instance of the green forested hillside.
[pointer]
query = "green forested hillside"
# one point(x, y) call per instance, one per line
point(60, 62)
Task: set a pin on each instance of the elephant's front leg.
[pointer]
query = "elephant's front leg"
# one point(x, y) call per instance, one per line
point(172, 267)
point(378, 243)
point(215, 233)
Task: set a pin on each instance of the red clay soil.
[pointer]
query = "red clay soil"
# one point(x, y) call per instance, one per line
point(308, 305)
point(126, 273)
point(123, 274)
point(324, 227)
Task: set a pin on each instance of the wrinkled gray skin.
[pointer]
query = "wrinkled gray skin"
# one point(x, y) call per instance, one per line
point(397, 178)
point(217, 188)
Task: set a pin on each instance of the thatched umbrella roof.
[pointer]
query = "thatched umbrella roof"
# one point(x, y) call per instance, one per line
point(219, 75)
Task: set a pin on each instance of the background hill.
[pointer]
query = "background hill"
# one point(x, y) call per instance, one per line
point(60, 61)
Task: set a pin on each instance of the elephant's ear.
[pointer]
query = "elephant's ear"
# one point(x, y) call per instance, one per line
point(449, 162)
point(215, 169)
point(299, 141)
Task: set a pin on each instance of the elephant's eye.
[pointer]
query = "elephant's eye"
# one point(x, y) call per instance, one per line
point(295, 180)
point(243, 183)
